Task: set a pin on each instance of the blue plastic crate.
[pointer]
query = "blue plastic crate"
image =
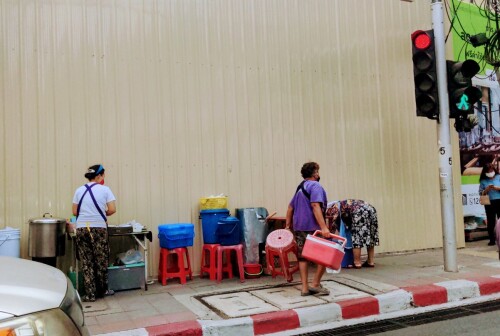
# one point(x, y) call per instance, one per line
point(176, 235)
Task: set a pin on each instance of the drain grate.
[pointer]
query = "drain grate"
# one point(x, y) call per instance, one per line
point(410, 321)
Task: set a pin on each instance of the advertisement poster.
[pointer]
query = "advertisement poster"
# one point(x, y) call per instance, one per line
point(482, 144)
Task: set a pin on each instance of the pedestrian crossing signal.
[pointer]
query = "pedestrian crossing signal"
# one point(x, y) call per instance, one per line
point(461, 93)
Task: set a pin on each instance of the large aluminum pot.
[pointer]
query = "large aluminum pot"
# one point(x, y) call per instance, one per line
point(47, 236)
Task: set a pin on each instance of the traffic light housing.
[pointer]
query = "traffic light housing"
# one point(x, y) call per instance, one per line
point(424, 74)
point(462, 95)
point(463, 124)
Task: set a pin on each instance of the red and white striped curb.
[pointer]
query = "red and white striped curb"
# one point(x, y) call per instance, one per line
point(267, 323)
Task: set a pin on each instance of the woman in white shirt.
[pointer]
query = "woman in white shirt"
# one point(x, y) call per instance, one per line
point(92, 203)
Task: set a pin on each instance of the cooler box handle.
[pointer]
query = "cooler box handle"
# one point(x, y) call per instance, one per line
point(333, 236)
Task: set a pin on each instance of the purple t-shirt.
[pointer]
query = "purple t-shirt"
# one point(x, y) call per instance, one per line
point(303, 217)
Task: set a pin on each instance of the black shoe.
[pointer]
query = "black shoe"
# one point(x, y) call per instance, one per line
point(88, 298)
point(491, 243)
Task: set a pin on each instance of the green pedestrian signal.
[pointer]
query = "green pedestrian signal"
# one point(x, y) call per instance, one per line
point(464, 105)
point(461, 94)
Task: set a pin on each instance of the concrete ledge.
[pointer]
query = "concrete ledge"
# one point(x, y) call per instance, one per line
point(186, 328)
point(131, 332)
point(427, 295)
point(405, 299)
point(359, 307)
point(460, 289)
point(242, 326)
point(275, 321)
point(487, 285)
point(309, 316)
point(394, 301)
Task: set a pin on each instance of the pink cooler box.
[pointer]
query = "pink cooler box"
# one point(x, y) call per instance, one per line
point(324, 252)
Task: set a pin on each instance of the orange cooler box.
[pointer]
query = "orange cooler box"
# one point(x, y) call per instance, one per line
point(324, 252)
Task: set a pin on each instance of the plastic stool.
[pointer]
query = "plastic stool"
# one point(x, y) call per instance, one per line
point(179, 271)
point(211, 266)
point(228, 266)
point(279, 244)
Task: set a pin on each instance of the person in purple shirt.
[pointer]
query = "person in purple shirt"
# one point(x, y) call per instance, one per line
point(305, 215)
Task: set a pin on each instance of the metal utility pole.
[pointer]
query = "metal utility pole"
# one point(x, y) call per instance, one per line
point(444, 143)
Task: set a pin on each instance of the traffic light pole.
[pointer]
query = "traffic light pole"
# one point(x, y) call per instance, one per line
point(444, 143)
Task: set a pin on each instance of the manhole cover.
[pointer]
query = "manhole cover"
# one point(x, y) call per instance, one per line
point(239, 304)
point(264, 300)
point(287, 298)
point(339, 292)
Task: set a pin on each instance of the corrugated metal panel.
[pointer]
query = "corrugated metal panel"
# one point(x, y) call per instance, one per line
point(183, 99)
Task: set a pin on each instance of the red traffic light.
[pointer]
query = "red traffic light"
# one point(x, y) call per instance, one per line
point(421, 39)
point(424, 74)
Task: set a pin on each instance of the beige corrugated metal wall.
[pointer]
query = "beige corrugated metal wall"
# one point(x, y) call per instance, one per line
point(183, 99)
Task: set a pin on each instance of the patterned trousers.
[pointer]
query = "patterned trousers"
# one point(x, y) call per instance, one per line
point(93, 252)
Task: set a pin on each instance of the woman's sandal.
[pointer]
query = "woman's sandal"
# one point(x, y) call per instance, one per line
point(366, 264)
point(319, 291)
point(109, 292)
point(357, 266)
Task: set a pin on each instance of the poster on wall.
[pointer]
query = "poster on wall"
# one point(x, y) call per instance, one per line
point(481, 144)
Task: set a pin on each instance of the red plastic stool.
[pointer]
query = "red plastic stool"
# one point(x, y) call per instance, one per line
point(279, 244)
point(211, 266)
point(178, 269)
point(227, 267)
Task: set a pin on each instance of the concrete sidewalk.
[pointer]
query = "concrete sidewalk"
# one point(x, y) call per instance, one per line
point(266, 305)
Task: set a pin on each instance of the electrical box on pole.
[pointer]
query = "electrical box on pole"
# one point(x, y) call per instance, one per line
point(424, 74)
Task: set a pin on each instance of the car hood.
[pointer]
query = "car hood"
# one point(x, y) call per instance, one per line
point(27, 286)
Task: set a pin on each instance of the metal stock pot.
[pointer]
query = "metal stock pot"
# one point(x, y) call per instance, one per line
point(47, 236)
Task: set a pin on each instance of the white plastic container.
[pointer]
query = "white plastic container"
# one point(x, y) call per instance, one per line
point(10, 242)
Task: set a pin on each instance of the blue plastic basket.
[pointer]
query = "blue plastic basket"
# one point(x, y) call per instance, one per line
point(176, 235)
point(229, 231)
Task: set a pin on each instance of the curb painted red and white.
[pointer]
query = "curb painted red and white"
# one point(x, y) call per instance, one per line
point(267, 323)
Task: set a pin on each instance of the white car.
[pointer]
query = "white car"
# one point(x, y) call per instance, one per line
point(37, 299)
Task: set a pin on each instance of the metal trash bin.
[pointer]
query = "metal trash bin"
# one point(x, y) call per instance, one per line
point(46, 239)
point(254, 229)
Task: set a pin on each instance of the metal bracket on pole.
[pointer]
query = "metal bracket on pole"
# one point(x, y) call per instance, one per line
point(444, 143)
